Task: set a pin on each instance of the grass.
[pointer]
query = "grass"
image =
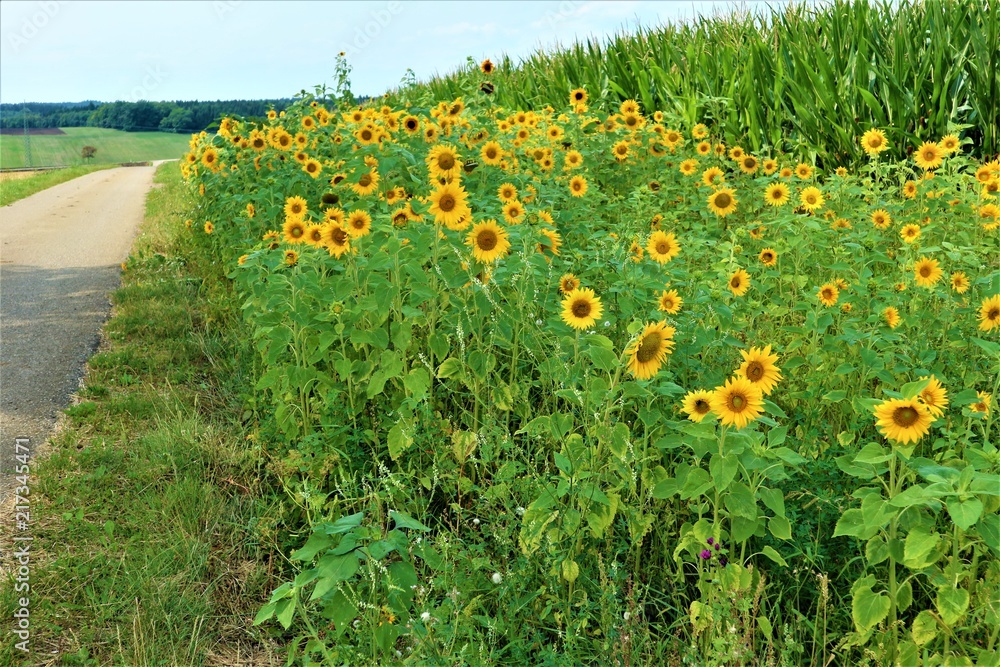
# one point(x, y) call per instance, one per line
point(113, 146)
point(13, 189)
point(144, 512)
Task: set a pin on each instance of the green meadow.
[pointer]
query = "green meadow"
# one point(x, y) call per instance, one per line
point(112, 146)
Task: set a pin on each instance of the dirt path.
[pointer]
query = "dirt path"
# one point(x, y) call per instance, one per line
point(60, 255)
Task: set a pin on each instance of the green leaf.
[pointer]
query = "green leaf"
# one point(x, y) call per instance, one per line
point(266, 612)
point(772, 499)
point(603, 359)
point(450, 367)
point(776, 436)
point(851, 523)
point(835, 396)
point(924, 628)
point(331, 571)
point(911, 389)
point(873, 453)
point(868, 609)
point(918, 546)
point(399, 441)
point(876, 550)
point(991, 348)
point(964, 512)
point(404, 520)
point(317, 542)
point(770, 552)
point(951, 604)
point(340, 611)
point(417, 381)
point(780, 527)
point(740, 501)
point(284, 611)
point(723, 470)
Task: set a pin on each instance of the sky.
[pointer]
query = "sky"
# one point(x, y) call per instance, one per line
point(61, 51)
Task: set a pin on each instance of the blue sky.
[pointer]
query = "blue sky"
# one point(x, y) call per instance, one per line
point(54, 50)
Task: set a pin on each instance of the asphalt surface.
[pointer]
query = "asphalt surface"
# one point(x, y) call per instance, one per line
point(60, 256)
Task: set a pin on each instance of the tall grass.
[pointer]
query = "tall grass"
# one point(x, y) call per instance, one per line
point(796, 77)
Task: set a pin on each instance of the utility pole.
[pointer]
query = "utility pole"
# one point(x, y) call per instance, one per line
point(27, 137)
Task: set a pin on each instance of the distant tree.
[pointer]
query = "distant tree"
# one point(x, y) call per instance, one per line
point(88, 152)
point(178, 120)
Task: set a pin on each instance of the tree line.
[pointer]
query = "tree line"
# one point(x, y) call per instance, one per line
point(141, 116)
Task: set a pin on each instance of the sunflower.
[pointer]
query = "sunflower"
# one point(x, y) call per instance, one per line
point(578, 186)
point(670, 302)
point(989, 313)
point(336, 239)
point(841, 172)
point(488, 240)
point(722, 202)
point(739, 282)
point(960, 282)
point(934, 396)
point(568, 283)
point(910, 233)
point(359, 224)
point(291, 257)
point(703, 148)
point(949, 143)
point(572, 160)
point(926, 272)
point(411, 124)
point(443, 161)
point(513, 212)
point(209, 227)
point(776, 194)
point(271, 239)
point(312, 167)
point(689, 167)
point(551, 243)
point(662, 247)
point(910, 189)
point(367, 184)
point(736, 153)
point(929, 156)
point(786, 172)
point(757, 233)
point(697, 404)
point(891, 316)
point(983, 404)
point(448, 204)
point(903, 420)
point(487, 66)
point(367, 134)
point(760, 368)
point(811, 198)
point(294, 230)
point(770, 166)
point(314, 235)
point(989, 214)
point(713, 177)
point(673, 138)
point(874, 142)
point(841, 223)
point(296, 207)
point(828, 294)
point(491, 153)
point(738, 402)
point(578, 97)
point(507, 193)
point(210, 158)
point(648, 352)
point(881, 219)
point(581, 308)
point(768, 257)
point(803, 171)
point(621, 151)
point(749, 164)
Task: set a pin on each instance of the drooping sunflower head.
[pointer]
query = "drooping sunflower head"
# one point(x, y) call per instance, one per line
point(648, 352)
point(581, 308)
point(291, 257)
point(550, 243)
point(738, 402)
point(891, 316)
point(903, 420)
point(934, 396)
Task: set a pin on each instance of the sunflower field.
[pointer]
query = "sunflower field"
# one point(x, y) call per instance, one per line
point(558, 387)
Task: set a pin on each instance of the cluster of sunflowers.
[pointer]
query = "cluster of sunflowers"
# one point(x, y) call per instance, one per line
point(584, 191)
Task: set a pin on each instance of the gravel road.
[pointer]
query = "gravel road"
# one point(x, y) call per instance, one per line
point(60, 256)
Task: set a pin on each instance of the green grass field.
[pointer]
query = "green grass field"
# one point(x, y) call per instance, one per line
point(112, 146)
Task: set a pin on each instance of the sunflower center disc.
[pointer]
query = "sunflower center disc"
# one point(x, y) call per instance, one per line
point(365, 181)
point(581, 309)
point(663, 248)
point(447, 203)
point(701, 407)
point(723, 200)
point(486, 240)
point(738, 402)
point(446, 162)
point(755, 371)
point(993, 314)
point(648, 348)
point(905, 416)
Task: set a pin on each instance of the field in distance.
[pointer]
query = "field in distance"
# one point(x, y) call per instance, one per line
point(111, 145)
